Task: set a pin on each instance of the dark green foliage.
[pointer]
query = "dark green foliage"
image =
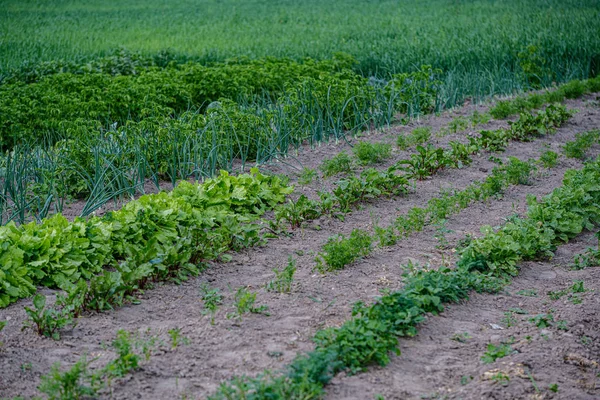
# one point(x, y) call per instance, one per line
point(491, 140)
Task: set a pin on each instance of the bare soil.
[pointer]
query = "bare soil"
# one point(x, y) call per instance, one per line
point(431, 363)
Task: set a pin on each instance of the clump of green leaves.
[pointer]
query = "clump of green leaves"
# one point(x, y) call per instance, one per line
point(283, 278)
point(48, 320)
point(297, 212)
point(340, 251)
point(127, 359)
point(542, 320)
point(478, 118)
point(73, 384)
point(583, 142)
point(342, 163)
point(495, 352)
point(212, 299)
point(372, 153)
point(307, 176)
point(177, 338)
point(417, 136)
point(589, 258)
point(461, 337)
point(425, 162)
point(456, 125)
point(245, 302)
point(549, 159)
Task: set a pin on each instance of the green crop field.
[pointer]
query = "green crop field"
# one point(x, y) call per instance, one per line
point(481, 38)
point(148, 143)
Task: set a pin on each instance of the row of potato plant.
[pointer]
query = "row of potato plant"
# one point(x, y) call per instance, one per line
point(485, 265)
point(157, 237)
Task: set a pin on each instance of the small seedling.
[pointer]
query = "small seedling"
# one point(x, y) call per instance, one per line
point(553, 387)
point(501, 378)
point(562, 325)
point(341, 163)
point(418, 136)
point(461, 337)
point(2, 325)
point(527, 292)
point(127, 360)
point(283, 278)
point(307, 176)
point(465, 379)
point(48, 321)
point(542, 320)
point(212, 300)
point(176, 338)
point(441, 230)
point(244, 303)
point(518, 310)
point(372, 153)
point(495, 352)
point(586, 341)
point(478, 118)
point(26, 367)
point(509, 320)
point(71, 384)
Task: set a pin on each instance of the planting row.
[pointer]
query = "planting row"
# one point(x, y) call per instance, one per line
point(485, 264)
point(425, 162)
point(157, 237)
